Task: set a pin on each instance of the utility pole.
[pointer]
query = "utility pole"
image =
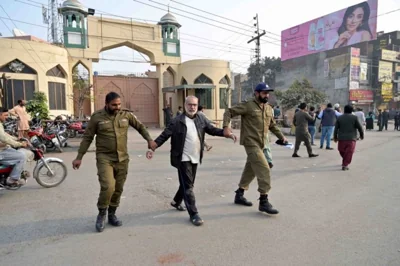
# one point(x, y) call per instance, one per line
point(258, 50)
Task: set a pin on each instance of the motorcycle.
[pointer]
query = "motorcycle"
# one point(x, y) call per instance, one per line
point(46, 166)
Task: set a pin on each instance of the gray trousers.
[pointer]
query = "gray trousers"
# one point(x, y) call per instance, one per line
point(16, 158)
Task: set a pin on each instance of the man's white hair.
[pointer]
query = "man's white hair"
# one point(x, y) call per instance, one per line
point(191, 97)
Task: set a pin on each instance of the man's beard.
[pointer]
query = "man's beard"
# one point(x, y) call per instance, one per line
point(190, 113)
point(263, 100)
point(112, 112)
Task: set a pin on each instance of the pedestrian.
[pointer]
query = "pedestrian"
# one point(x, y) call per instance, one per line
point(328, 119)
point(110, 126)
point(361, 117)
point(346, 128)
point(167, 114)
point(396, 121)
point(380, 120)
point(179, 112)
point(300, 120)
point(277, 112)
point(369, 120)
point(187, 141)
point(22, 118)
point(257, 118)
point(385, 119)
point(311, 125)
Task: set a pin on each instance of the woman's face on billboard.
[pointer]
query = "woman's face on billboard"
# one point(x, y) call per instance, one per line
point(355, 19)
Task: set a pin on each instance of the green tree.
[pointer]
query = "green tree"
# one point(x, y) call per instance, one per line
point(82, 91)
point(269, 66)
point(38, 105)
point(298, 92)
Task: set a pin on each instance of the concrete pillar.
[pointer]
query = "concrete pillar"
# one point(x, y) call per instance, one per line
point(160, 70)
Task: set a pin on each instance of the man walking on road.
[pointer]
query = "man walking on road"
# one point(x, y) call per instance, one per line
point(110, 126)
point(328, 119)
point(257, 118)
point(346, 133)
point(187, 144)
point(301, 120)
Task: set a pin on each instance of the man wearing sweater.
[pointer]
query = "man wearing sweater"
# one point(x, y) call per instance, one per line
point(346, 133)
point(328, 119)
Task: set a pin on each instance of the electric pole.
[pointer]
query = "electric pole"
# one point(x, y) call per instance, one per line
point(257, 50)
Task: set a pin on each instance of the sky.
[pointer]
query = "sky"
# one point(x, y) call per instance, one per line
point(198, 40)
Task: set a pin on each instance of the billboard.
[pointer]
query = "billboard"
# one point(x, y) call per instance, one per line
point(390, 55)
point(345, 27)
point(365, 96)
point(354, 68)
point(385, 72)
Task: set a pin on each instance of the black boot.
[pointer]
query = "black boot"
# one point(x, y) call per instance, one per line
point(101, 220)
point(265, 206)
point(240, 199)
point(112, 218)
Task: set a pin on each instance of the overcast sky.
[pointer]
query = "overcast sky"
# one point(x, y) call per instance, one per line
point(274, 16)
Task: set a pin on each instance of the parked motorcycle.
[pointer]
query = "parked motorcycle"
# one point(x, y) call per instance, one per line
point(45, 168)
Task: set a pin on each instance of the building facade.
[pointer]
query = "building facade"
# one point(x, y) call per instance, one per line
point(30, 64)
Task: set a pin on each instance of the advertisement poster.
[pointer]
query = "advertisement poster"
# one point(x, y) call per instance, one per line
point(354, 68)
point(390, 55)
point(345, 27)
point(365, 96)
point(385, 72)
point(363, 71)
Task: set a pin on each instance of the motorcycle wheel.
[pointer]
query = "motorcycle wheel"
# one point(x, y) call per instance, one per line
point(44, 169)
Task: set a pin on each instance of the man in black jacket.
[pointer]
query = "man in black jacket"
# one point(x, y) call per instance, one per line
point(187, 144)
point(346, 133)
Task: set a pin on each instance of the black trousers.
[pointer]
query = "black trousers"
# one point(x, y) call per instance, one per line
point(187, 174)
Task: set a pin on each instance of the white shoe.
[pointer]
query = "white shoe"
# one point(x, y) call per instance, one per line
point(19, 182)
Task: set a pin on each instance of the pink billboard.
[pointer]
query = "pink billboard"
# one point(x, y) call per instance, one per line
point(345, 27)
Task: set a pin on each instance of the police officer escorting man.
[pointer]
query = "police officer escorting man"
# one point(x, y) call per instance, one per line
point(257, 118)
point(110, 125)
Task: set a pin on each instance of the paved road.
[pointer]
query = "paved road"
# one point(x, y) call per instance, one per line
point(328, 217)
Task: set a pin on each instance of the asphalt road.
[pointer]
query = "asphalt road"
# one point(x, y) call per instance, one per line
point(327, 216)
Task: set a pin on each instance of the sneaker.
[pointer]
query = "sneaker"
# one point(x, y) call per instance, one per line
point(295, 155)
point(12, 182)
point(313, 155)
point(345, 168)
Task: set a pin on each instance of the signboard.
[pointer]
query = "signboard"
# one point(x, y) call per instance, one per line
point(363, 71)
point(362, 96)
point(385, 72)
point(390, 55)
point(324, 33)
point(354, 68)
point(387, 92)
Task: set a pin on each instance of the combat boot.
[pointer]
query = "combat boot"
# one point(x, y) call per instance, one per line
point(265, 206)
point(240, 199)
point(112, 218)
point(101, 220)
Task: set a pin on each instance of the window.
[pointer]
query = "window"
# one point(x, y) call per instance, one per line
point(56, 72)
point(17, 90)
point(204, 96)
point(183, 81)
point(57, 99)
point(224, 81)
point(223, 98)
point(17, 66)
point(203, 79)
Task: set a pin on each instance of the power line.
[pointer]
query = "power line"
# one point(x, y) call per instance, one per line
point(190, 42)
point(182, 33)
point(219, 16)
point(198, 20)
point(211, 19)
